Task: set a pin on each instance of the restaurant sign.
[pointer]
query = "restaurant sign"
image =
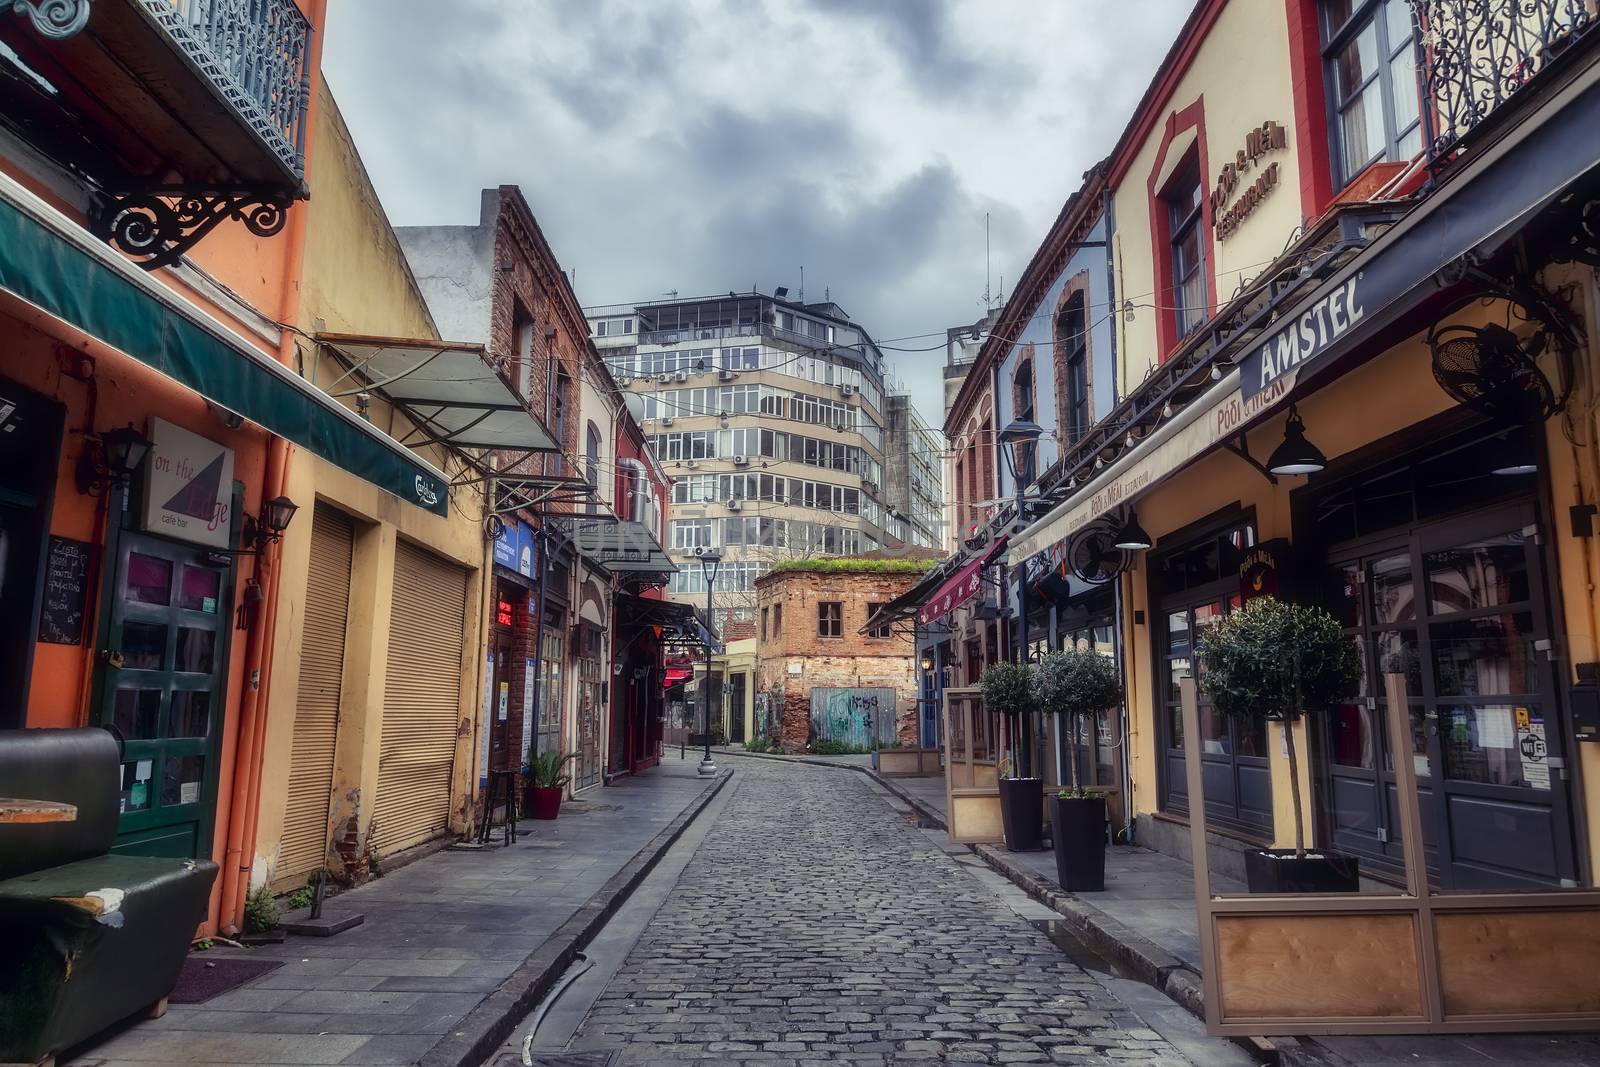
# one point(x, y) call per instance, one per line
point(188, 486)
point(1268, 137)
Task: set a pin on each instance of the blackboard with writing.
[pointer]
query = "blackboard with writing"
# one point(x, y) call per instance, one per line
point(65, 578)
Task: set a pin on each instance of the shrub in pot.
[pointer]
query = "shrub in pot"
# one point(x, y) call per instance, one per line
point(1010, 689)
point(547, 777)
point(1284, 661)
point(1078, 685)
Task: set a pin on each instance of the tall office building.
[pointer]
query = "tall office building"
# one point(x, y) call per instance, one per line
point(770, 416)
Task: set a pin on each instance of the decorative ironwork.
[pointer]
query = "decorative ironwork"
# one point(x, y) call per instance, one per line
point(55, 19)
point(1478, 54)
point(157, 227)
point(257, 53)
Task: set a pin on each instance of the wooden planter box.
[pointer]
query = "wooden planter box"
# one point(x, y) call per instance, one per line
point(908, 762)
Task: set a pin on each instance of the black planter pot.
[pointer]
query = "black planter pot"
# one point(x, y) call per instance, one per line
point(1080, 841)
point(1022, 813)
point(1276, 870)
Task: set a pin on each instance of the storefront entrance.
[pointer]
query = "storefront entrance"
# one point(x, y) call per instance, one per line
point(1195, 585)
point(1458, 605)
point(163, 687)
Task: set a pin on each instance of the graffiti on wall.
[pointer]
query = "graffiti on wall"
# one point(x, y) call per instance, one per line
point(855, 717)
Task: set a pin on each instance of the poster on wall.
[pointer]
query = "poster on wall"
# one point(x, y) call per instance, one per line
point(488, 713)
point(528, 677)
point(188, 486)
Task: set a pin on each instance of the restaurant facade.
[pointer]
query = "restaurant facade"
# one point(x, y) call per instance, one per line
point(1353, 352)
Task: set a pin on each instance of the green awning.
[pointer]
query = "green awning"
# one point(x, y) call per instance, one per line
point(54, 264)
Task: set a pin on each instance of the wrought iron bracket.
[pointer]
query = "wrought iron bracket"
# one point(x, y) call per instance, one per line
point(156, 227)
point(1241, 448)
point(55, 19)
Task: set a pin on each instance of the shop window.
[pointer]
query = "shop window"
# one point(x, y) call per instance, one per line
point(1184, 199)
point(1369, 53)
point(830, 618)
point(882, 631)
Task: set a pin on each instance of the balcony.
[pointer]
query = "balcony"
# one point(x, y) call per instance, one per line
point(1480, 55)
point(176, 114)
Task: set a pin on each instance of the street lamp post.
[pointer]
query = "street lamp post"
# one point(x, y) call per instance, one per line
point(1017, 443)
point(710, 562)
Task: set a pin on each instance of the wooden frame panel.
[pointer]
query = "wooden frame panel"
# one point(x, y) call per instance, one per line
point(971, 786)
point(1411, 962)
point(908, 762)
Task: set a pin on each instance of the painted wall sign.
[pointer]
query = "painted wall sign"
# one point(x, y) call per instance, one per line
point(188, 486)
point(1305, 338)
point(66, 576)
point(513, 549)
point(1268, 137)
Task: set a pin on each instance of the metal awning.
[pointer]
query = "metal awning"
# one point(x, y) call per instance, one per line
point(621, 547)
point(52, 267)
point(450, 389)
point(907, 604)
point(960, 587)
point(1490, 199)
point(679, 623)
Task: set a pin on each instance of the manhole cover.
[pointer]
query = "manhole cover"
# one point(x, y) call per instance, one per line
point(570, 1059)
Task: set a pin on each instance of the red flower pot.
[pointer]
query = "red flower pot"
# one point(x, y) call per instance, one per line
point(546, 801)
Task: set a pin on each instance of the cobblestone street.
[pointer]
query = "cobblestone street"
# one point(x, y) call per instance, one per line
point(814, 925)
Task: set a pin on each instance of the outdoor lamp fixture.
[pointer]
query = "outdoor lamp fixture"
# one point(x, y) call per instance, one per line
point(927, 661)
point(710, 561)
point(1516, 457)
point(276, 514)
point(1018, 440)
point(1130, 536)
point(111, 460)
point(1296, 455)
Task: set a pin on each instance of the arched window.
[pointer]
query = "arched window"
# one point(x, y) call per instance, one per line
point(591, 465)
point(1022, 389)
point(1072, 363)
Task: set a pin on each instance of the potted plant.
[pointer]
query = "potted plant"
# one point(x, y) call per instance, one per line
point(1009, 688)
point(547, 777)
point(1285, 661)
point(1078, 685)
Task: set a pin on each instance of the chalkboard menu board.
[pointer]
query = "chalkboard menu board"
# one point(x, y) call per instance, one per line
point(66, 575)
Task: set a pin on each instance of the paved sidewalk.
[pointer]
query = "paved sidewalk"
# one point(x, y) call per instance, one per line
point(440, 936)
point(1145, 919)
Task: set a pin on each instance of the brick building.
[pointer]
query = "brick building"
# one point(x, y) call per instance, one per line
point(821, 674)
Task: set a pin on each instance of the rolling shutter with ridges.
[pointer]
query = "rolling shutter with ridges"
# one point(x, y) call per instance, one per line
point(422, 699)
point(303, 847)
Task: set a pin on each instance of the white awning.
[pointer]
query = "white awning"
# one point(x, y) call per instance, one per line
point(451, 389)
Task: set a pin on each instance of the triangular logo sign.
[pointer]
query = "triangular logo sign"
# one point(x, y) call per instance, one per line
point(199, 497)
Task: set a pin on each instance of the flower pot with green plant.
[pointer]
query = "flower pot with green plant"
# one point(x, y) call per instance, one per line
point(547, 777)
point(1286, 662)
point(1076, 686)
point(1010, 690)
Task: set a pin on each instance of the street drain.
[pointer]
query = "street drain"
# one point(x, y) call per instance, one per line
point(919, 821)
point(602, 1058)
point(1076, 950)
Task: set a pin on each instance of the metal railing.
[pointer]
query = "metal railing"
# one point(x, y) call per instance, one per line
point(257, 52)
point(1478, 54)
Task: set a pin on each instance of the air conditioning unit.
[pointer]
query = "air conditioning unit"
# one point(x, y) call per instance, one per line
point(735, 505)
point(741, 461)
point(726, 376)
point(691, 463)
point(847, 390)
point(667, 421)
point(624, 379)
point(683, 376)
point(869, 485)
point(664, 379)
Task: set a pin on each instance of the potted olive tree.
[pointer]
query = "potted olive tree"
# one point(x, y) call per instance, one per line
point(1010, 689)
point(1076, 686)
point(547, 777)
point(1284, 661)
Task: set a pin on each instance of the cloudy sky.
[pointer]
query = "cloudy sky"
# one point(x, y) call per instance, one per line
point(715, 145)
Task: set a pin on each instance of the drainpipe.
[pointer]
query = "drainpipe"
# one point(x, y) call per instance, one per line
point(245, 802)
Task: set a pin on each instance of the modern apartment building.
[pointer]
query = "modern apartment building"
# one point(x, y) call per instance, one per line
point(913, 476)
point(770, 416)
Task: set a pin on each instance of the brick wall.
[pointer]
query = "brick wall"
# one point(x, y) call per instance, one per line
point(796, 659)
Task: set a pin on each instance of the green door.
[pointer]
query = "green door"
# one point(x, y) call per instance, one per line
point(163, 685)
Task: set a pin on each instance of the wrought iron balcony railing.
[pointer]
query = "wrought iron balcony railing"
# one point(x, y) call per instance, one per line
point(1478, 54)
point(257, 53)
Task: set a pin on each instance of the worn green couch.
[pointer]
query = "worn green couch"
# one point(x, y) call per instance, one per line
point(86, 938)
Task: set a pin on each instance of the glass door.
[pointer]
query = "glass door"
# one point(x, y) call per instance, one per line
point(1458, 608)
point(163, 686)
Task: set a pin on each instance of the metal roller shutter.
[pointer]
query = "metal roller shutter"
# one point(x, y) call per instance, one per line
point(304, 844)
point(422, 699)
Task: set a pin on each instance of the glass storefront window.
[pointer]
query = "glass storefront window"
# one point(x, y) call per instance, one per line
point(1481, 574)
point(1490, 656)
point(149, 579)
point(137, 713)
point(1495, 744)
point(144, 646)
point(180, 780)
